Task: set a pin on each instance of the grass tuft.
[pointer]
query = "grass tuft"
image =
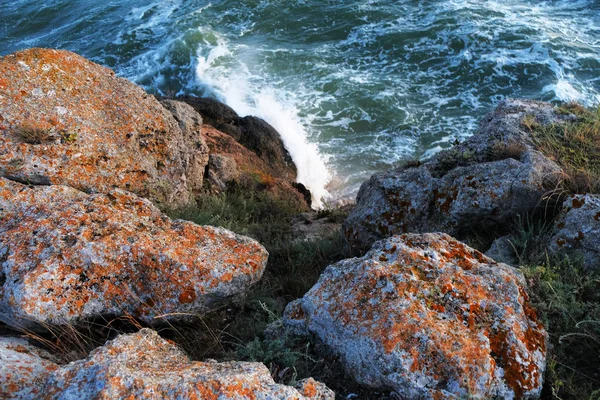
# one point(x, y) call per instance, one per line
point(575, 146)
point(34, 135)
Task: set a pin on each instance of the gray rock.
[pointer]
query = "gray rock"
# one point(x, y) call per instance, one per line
point(428, 317)
point(221, 170)
point(309, 227)
point(476, 186)
point(502, 250)
point(577, 229)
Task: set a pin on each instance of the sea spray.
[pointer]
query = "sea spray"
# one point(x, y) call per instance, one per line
point(238, 89)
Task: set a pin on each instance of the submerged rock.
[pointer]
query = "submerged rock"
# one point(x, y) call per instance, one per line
point(65, 120)
point(428, 317)
point(144, 366)
point(23, 369)
point(577, 229)
point(68, 255)
point(477, 186)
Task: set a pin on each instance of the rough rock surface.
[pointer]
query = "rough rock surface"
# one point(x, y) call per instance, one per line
point(65, 120)
point(428, 317)
point(145, 366)
point(502, 250)
point(308, 227)
point(23, 369)
point(254, 173)
point(67, 255)
point(221, 170)
point(253, 133)
point(577, 229)
point(477, 185)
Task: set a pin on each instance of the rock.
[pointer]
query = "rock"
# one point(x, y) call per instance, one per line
point(577, 229)
point(23, 369)
point(144, 366)
point(428, 317)
point(67, 255)
point(490, 179)
point(215, 113)
point(253, 133)
point(254, 173)
point(265, 141)
point(310, 227)
point(222, 170)
point(315, 390)
point(502, 250)
point(67, 121)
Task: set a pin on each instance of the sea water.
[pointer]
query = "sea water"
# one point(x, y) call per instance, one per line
point(353, 86)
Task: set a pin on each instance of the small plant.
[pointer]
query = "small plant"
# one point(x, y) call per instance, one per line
point(34, 135)
point(529, 122)
point(511, 149)
point(68, 137)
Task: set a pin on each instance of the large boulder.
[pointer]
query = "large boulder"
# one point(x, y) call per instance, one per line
point(68, 255)
point(577, 229)
point(251, 172)
point(477, 186)
point(65, 120)
point(23, 369)
point(428, 317)
point(144, 366)
point(252, 132)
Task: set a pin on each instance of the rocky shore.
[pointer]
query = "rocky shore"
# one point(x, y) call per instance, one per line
point(92, 170)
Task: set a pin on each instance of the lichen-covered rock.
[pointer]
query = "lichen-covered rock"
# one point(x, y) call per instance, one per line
point(144, 366)
point(68, 255)
point(23, 369)
point(478, 185)
point(577, 229)
point(65, 120)
point(428, 317)
point(315, 390)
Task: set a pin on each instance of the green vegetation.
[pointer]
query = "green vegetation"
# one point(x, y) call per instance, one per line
point(567, 298)
point(574, 146)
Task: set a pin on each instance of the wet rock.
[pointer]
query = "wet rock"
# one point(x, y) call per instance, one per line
point(253, 133)
point(68, 121)
point(477, 186)
point(577, 229)
point(428, 317)
point(144, 366)
point(68, 255)
point(23, 369)
point(265, 141)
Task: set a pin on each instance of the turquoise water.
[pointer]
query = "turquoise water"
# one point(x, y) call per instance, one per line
point(353, 86)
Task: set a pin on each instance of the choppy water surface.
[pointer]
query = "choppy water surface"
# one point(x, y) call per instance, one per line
point(353, 86)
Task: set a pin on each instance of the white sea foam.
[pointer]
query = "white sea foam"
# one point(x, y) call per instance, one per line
point(228, 77)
